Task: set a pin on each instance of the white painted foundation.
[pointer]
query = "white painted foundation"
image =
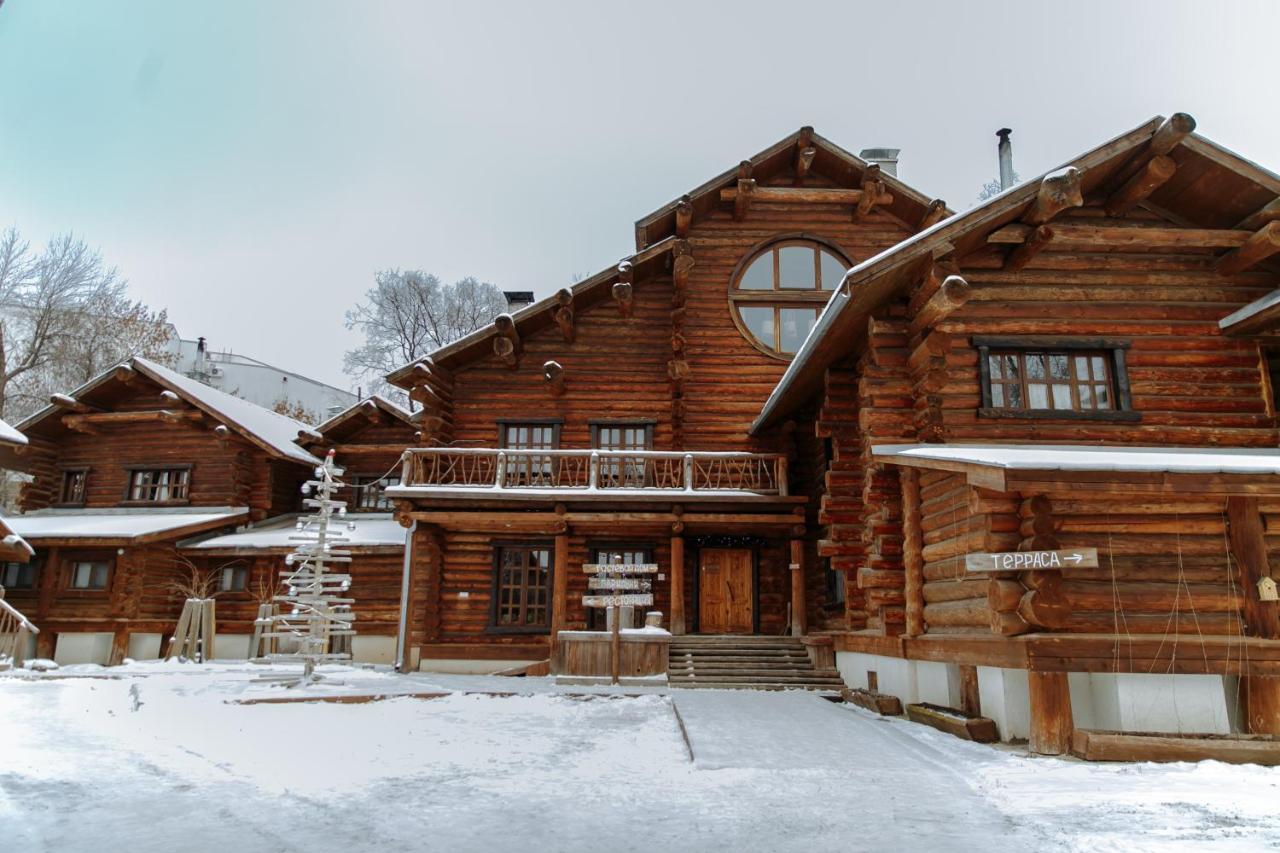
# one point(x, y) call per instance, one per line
point(460, 666)
point(144, 646)
point(1126, 702)
point(83, 648)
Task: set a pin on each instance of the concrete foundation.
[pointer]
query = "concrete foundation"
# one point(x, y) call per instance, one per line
point(461, 666)
point(145, 646)
point(83, 648)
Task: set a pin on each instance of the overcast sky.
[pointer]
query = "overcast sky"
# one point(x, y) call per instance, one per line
point(248, 165)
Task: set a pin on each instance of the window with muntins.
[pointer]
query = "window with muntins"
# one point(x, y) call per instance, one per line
point(74, 481)
point(530, 469)
point(158, 485)
point(19, 575)
point(522, 588)
point(369, 492)
point(233, 578)
point(90, 574)
point(1039, 377)
point(776, 295)
point(627, 472)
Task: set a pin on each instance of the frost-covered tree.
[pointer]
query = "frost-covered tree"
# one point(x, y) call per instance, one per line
point(992, 188)
point(64, 317)
point(409, 313)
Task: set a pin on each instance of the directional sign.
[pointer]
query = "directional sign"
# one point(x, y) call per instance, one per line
point(620, 568)
point(606, 582)
point(1018, 561)
point(634, 600)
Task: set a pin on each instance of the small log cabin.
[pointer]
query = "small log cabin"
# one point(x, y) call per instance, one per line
point(123, 468)
point(1086, 361)
point(369, 439)
point(611, 421)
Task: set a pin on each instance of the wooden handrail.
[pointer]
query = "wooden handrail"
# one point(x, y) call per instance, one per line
point(14, 628)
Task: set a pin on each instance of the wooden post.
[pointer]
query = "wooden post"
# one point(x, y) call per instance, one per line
point(970, 701)
point(1249, 550)
point(119, 646)
point(1262, 704)
point(559, 590)
point(615, 644)
point(46, 644)
point(799, 625)
point(677, 579)
point(1051, 722)
point(912, 552)
point(20, 647)
point(207, 652)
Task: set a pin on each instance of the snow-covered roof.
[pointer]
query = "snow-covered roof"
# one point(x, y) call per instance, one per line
point(121, 523)
point(278, 431)
point(9, 435)
point(372, 530)
point(1067, 457)
point(273, 432)
point(375, 400)
point(12, 546)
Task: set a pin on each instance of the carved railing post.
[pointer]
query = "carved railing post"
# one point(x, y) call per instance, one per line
point(500, 470)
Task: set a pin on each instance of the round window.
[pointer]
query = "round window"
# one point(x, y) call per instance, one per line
point(777, 293)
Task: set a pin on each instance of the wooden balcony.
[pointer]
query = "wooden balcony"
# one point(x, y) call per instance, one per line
point(614, 473)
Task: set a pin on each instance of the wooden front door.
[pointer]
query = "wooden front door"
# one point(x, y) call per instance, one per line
point(725, 594)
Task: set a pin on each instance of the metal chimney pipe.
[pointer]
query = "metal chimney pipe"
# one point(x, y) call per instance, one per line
point(1006, 159)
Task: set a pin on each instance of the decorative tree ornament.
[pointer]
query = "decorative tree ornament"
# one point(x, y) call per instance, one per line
point(313, 616)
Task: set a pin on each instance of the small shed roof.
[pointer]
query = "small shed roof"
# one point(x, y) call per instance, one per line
point(9, 435)
point(366, 531)
point(124, 525)
point(1070, 457)
point(12, 546)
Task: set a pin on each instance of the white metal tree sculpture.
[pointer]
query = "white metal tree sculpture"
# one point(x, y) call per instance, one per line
point(313, 610)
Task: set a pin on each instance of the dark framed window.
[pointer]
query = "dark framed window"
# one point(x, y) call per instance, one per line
point(89, 572)
point(628, 555)
point(622, 471)
point(158, 485)
point(834, 579)
point(522, 587)
point(19, 575)
point(776, 294)
point(1053, 377)
point(368, 492)
point(72, 490)
point(529, 469)
point(233, 578)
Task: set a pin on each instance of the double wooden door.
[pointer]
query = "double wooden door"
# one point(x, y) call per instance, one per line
point(725, 594)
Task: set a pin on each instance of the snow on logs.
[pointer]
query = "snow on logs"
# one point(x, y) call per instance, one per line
point(684, 216)
point(1058, 191)
point(623, 289)
point(951, 294)
point(553, 373)
point(933, 214)
point(506, 346)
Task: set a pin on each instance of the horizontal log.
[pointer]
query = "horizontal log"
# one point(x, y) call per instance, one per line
point(803, 195)
point(968, 611)
point(1119, 236)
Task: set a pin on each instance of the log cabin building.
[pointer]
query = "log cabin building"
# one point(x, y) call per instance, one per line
point(611, 421)
point(14, 550)
point(1085, 361)
point(123, 468)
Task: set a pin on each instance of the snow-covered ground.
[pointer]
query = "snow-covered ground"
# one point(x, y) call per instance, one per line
point(155, 757)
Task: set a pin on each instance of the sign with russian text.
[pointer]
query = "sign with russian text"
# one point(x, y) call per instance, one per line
point(632, 600)
point(607, 582)
point(620, 568)
point(1022, 561)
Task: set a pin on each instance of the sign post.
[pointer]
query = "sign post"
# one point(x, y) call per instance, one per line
point(613, 587)
point(1021, 561)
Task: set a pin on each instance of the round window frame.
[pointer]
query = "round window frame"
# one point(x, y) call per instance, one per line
point(780, 300)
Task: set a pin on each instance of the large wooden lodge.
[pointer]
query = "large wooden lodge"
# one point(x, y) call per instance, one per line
point(825, 406)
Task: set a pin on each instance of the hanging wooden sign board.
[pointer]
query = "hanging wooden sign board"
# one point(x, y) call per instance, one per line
point(607, 582)
point(637, 600)
point(620, 568)
point(1021, 561)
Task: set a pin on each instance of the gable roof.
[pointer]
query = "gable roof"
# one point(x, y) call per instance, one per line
point(9, 435)
point(830, 160)
point(275, 433)
point(1212, 188)
point(12, 546)
point(372, 403)
point(656, 238)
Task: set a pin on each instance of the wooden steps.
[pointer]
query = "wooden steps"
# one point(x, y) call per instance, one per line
point(729, 662)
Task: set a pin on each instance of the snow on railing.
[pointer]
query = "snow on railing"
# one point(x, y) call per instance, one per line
point(14, 631)
point(595, 470)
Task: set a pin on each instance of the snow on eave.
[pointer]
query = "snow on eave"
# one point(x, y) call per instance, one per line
point(354, 409)
point(120, 522)
point(274, 534)
point(9, 435)
point(11, 540)
point(1085, 457)
point(936, 237)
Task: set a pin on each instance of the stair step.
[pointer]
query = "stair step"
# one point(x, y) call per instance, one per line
point(755, 685)
point(728, 662)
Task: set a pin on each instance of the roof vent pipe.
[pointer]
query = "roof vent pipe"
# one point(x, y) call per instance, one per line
point(886, 157)
point(1006, 159)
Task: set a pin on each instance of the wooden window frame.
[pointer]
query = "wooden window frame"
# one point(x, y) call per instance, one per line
point(33, 564)
point(1113, 348)
point(648, 549)
point(360, 482)
point(646, 424)
point(130, 470)
point(84, 485)
point(70, 558)
point(778, 297)
point(556, 424)
point(498, 548)
point(248, 577)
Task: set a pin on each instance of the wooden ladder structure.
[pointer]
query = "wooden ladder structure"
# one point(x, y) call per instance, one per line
point(15, 629)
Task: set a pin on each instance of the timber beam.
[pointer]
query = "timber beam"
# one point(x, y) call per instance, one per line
point(1168, 135)
point(684, 216)
point(951, 294)
point(564, 313)
point(1058, 191)
point(1021, 255)
point(872, 192)
point(553, 373)
point(1264, 243)
point(933, 214)
point(507, 345)
point(1257, 317)
point(1144, 182)
point(1269, 212)
point(681, 265)
point(91, 421)
point(806, 195)
point(62, 401)
point(1120, 237)
point(623, 288)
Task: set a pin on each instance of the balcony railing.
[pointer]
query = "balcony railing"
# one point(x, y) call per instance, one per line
point(14, 631)
point(596, 470)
